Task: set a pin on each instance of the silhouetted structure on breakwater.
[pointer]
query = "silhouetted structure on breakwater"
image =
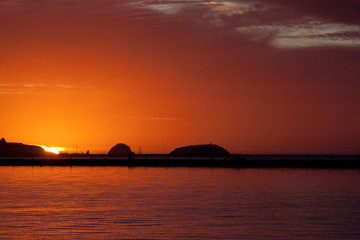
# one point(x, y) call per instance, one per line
point(206, 150)
point(20, 150)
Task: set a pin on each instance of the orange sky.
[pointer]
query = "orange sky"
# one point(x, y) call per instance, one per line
point(90, 74)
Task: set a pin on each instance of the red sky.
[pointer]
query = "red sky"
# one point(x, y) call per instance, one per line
point(252, 76)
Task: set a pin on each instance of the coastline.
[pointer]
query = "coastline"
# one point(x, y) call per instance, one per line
point(159, 160)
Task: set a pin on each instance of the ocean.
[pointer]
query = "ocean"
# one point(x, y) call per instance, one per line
point(178, 203)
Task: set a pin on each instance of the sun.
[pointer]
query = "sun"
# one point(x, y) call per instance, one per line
point(55, 150)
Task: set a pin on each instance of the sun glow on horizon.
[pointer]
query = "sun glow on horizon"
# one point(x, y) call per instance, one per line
point(55, 150)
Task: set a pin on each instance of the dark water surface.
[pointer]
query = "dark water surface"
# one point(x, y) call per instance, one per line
point(178, 203)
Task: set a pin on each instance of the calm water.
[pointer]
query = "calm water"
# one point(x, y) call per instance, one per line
point(178, 203)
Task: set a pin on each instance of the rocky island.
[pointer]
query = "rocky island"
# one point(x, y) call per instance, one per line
point(205, 150)
point(121, 150)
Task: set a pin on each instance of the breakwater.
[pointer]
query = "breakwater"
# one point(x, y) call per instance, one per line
point(153, 160)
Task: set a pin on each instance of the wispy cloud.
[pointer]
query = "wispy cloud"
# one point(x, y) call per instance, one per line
point(154, 118)
point(11, 92)
point(162, 118)
point(28, 85)
point(35, 88)
point(229, 7)
point(166, 7)
point(65, 86)
point(281, 25)
point(6, 84)
point(6, 2)
point(307, 34)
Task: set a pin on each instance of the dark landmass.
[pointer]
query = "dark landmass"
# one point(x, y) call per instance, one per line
point(206, 150)
point(18, 154)
point(20, 150)
point(164, 160)
point(120, 149)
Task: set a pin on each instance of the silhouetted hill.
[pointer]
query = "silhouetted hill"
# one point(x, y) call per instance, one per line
point(206, 150)
point(20, 150)
point(120, 150)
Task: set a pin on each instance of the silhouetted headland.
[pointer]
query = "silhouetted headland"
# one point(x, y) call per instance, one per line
point(20, 150)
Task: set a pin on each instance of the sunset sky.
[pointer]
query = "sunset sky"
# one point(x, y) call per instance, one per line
point(267, 76)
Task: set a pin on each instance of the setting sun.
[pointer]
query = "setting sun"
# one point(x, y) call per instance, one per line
point(55, 150)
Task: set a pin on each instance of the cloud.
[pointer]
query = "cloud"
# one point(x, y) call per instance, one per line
point(166, 7)
point(276, 22)
point(31, 85)
point(6, 2)
point(65, 86)
point(154, 118)
point(307, 34)
point(33, 88)
point(229, 7)
point(341, 11)
point(6, 84)
point(162, 118)
point(286, 27)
